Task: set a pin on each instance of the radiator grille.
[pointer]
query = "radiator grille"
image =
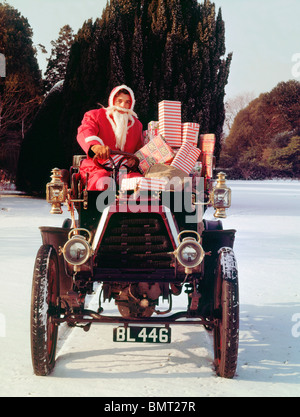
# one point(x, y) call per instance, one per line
point(135, 241)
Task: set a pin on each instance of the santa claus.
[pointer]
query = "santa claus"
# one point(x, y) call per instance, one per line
point(113, 128)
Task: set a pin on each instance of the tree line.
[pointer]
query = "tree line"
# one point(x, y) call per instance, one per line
point(170, 49)
point(163, 49)
point(264, 140)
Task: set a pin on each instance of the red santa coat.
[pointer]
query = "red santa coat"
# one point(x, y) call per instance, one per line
point(97, 129)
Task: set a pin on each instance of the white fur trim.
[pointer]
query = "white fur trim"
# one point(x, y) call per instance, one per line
point(114, 92)
point(91, 138)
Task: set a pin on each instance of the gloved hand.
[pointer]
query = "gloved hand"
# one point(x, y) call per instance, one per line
point(130, 163)
point(101, 151)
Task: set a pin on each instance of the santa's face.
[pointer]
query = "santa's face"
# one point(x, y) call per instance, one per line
point(123, 101)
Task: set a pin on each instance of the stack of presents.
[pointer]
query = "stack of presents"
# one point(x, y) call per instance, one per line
point(169, 141)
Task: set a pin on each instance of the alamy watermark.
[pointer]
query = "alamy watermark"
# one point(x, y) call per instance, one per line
point(296, 66)
point(188, 200)
point(296, 326)
point(2, 325)
point(2, 66)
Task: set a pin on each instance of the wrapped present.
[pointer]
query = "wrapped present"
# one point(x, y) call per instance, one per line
point(143, 184)
point(152, 184)
point(155, 151)
point(186, 157)
point(116, 159)
point(190, 133)
point(207, 143)
point(208, 161)
point(130, 183)
point(153, 128)
point(169, 115)
point(145, 137)
point(197, 169)
point(151, 132)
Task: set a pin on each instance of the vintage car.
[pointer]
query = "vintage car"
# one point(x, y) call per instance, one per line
point(140, 249)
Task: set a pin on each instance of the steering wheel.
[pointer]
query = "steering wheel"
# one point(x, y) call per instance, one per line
point(116, 167)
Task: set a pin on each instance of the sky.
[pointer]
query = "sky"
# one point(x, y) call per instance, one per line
point(264, 36)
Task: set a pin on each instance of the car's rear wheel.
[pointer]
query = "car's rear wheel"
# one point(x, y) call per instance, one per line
point(226, 310)
point(44, 307)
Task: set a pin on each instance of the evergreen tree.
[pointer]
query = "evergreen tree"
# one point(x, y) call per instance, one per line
point(16, 44)
point(21, 89)
point(264, 135)
point(57, 63)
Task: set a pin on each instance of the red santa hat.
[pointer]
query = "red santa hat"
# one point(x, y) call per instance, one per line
point(116, 90)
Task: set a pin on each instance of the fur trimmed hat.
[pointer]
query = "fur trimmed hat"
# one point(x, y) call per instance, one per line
point(116, 90)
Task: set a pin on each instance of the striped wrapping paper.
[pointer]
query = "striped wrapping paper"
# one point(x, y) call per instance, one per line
point(190, 133)
point(130, 183)
point(169, 115)
point(144, 184)
point(152, 184)
point(186, 157)
point(116, 159)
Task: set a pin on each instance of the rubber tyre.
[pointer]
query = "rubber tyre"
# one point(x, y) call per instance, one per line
point(226, 307)
point(44, 306)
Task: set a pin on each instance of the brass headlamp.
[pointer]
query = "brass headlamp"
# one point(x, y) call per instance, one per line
point(77, 249)
point(189, 253)
point(56, 191)
point(221, 196)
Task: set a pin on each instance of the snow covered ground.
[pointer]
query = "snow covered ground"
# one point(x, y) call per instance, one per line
point(267, 218)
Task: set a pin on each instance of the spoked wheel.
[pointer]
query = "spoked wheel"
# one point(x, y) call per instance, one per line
point(44, 307)
point(226, 307)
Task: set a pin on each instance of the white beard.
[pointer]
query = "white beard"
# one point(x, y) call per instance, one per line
point(120, 124)
point(121, 121)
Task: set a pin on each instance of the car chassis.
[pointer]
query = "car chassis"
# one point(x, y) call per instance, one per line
point(139, 249)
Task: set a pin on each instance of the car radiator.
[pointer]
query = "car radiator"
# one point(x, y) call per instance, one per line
point(135, 241)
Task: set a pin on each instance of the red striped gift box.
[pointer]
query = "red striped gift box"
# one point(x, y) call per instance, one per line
point(152, 184)
point(186, 157)
point(169, 115)
point(190, 133)
point(130, 183)
point(143, 184)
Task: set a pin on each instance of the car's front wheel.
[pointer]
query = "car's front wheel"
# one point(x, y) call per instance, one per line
point(226, 308)
point(44, 307)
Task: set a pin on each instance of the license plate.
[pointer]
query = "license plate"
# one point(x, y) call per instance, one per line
point(142, 334)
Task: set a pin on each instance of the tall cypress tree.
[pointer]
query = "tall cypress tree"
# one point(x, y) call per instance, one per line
point(57, 63)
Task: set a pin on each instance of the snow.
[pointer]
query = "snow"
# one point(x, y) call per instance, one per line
point(267, 219)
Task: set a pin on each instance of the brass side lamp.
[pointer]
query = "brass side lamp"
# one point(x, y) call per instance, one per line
point(221, 196)
point(56, 192)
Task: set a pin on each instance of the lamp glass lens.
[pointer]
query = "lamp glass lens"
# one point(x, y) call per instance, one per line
point(189, 254)
point(221, 198)
point(76, 252)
